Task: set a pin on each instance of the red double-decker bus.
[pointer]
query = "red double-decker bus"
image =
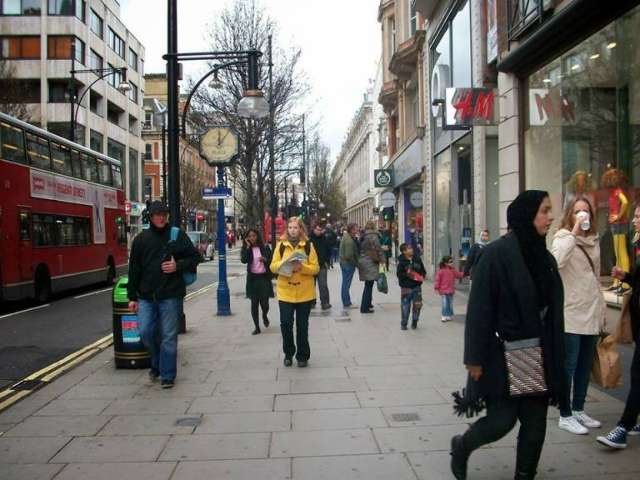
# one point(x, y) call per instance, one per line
point(62, 214)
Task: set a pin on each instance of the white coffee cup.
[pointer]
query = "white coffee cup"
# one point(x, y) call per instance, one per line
point(585, 221)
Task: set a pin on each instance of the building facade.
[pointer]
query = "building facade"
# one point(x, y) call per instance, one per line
point(195, 172)
point(43, 40)
point(402, 97)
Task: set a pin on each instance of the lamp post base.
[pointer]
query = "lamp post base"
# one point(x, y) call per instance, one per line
point(224, 300)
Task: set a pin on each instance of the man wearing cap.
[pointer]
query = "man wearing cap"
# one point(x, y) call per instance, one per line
point(156, 289)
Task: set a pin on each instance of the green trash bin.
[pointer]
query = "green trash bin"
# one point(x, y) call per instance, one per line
point(129, 352)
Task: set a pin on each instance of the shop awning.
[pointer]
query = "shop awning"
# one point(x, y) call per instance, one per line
point(561, 32)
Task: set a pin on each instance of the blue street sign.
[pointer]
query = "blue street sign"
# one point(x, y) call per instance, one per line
point(216, 193)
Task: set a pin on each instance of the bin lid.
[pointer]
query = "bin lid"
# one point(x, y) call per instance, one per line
point(120, 290)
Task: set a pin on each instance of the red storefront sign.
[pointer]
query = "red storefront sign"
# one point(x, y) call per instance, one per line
point(468, 107)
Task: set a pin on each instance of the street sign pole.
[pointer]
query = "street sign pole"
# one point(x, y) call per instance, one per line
point(224, 300)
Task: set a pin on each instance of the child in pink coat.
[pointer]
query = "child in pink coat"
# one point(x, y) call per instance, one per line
point(445, 285)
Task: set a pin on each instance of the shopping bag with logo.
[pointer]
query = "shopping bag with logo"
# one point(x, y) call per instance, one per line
point(606, 370)
point(382, 284)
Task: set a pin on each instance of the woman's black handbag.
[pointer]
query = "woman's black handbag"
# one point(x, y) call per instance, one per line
point(525, 367)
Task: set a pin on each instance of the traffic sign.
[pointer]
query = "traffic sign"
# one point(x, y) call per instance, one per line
point(388, 199)
point(216, 193)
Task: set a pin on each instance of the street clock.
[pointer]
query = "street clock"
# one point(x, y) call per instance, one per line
point(219, 146)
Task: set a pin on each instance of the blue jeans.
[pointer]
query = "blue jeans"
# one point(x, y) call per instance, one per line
point(347, 276)
point(580, 351)
point(367, 297)
point(159, 332)
point(447, 305)
point(409, 297)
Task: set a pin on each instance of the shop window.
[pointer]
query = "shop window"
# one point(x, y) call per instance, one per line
point(582, 133)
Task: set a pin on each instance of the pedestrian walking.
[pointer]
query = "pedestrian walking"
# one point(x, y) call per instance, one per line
point(445, 285)
point(323, 250)
point(628, 423)
point(259, 288)
point(387, 245)
point(156, 289)
point(517, 294)
point(475, 253)
point(411, 274)
point(296, 292)
point(349, 254)
point(371, 256)
point(331, 239)
point(576, 247)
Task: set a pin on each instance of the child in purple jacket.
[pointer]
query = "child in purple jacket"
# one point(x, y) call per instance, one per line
point(445, 285)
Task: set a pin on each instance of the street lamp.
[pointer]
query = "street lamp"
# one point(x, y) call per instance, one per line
point(216, 84)
point(123, 87)
point(160, 115)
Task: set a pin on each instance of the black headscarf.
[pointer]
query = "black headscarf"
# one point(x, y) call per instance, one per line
point(520, 216)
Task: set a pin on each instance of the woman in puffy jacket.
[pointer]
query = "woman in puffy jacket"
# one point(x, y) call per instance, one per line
point(576, 248)
point(297, 292)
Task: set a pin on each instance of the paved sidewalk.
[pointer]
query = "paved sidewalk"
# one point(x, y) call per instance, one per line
point(374, 403)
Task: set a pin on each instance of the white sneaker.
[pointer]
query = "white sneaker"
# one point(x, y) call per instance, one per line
point(572, 425)
point(444, 319)
point(586, 420)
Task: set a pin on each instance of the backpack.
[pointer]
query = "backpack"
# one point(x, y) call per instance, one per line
point(188, 277)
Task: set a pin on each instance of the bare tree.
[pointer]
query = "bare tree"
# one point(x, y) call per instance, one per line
point(245, 25)
point(323, 187)
point(12, 93)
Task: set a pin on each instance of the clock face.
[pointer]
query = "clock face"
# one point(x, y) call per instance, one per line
point(219, 145)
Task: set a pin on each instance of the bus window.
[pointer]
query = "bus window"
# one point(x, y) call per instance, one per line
point(89, 168)
point(76, 164)
point(25, 227)
point(117, 176)
point(45, 232)
point(61, 159)
point(82, 230)
point(65, 230)
point(104, 172)
point(11, 144)
point(38, 151)
point(122, 231)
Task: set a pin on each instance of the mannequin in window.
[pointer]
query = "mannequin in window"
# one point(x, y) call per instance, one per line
point(615, 181)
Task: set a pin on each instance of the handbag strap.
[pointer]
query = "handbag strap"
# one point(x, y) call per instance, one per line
point(593, 268)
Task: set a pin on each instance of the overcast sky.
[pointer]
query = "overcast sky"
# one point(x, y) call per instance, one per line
point(340, 41)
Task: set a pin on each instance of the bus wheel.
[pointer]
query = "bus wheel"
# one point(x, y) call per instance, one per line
point(42, 286)
point(111, 273)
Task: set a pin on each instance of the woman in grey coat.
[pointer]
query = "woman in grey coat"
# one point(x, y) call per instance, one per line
point(371, 255)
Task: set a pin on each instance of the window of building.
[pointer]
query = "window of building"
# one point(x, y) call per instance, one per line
point(461, 47)
point(133, 125)
point(148, 120)
point(19, 90)
point(115, 79)
point(414, 17)
point(148, 188)
point(20, 47)
point(12, 144)
point(116, 173)
point(148, 151)
point(114, 113)
point(95, 103)
point(38, 151)
point(134, 174)
point(133, 92)
point(59, 47)
point(20, 7)
point(392, 35)
point(96, 24)
point(133, 60)
point(61, 7)
point(80, 9)
point(79, 51)
point(115, 150)
point(96, 141)
point(95, 60)
point(58, 91)
point(116, 43)
point(141, 67)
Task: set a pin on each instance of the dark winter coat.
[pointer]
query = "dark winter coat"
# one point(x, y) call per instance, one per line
point(258, 284)
point(405, 264)
point(323, 249)
point(371, 256)
point(504, 300)
point(149, 250)
point(473, 258)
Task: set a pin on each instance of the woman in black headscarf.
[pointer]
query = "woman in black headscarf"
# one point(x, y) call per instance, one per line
point(517, 294)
